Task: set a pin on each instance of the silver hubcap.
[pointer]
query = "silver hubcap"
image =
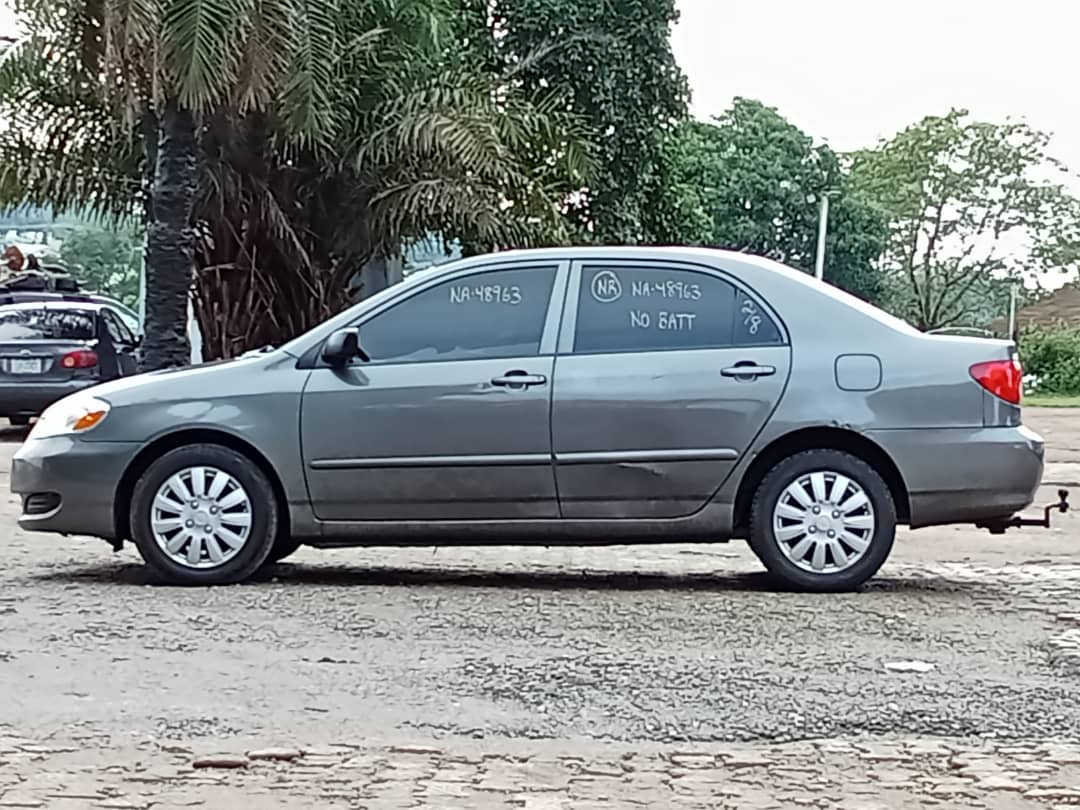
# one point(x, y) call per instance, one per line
point(201, 517)
point(823, 522)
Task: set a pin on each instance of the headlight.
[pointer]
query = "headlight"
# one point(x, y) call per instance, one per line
point(70, 415)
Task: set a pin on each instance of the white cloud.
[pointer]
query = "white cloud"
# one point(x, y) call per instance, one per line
point(854, 71)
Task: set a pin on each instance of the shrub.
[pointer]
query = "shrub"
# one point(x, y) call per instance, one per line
point(1051, 355)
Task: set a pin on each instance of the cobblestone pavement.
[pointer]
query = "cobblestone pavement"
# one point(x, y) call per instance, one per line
point(820, 774)
point(563, 678)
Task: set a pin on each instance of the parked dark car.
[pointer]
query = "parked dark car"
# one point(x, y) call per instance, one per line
point(127, 314)
point(52, 348)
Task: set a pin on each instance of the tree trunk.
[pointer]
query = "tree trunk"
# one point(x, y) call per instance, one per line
point(375, 276)
point(170, 243)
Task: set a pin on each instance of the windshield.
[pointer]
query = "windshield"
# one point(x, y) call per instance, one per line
point(298, 344)
point(46, 324)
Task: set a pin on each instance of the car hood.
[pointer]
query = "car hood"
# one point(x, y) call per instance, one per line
point(202, 379)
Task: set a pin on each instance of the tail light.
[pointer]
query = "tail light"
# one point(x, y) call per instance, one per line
point(79, 359)
point(1002, 378)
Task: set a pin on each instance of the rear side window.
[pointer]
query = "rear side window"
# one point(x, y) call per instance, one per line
point(641, 309)
point(486, 315)
point(46, 324)
point(117, 331)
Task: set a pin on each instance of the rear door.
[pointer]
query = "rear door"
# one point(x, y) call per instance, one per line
point(665, 373)
point(35, 340)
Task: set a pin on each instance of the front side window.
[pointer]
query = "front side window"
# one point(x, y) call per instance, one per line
point(642, 309)
point(498, 313)
point(46, 324)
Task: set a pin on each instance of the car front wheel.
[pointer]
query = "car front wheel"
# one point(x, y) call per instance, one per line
point(822, 520)
point(285, 546)
point(204, 515)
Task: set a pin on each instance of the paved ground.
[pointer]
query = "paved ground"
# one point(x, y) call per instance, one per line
point(654, 676)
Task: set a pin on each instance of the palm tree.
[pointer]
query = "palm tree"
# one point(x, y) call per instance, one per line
point(155, 68)
point(181, 60)
point(290, 145)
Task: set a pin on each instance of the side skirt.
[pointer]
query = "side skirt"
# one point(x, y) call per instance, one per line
point(712, 524)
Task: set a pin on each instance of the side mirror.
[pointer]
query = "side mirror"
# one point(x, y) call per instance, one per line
point(342, 346)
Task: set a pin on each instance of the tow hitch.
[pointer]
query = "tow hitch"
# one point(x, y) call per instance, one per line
point(1016, 522)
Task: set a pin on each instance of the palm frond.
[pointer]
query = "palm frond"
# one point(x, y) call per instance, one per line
point(23, 63)
point(70, 162)
point(130, 30)
point(264, 40)
point(199, 39)
point(306, 105)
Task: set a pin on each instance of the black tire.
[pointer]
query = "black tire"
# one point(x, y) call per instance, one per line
point(285, 546)
point(19, 421)
point(264, 516)
point(766, 546)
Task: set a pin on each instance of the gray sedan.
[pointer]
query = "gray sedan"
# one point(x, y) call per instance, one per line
point(565, 396)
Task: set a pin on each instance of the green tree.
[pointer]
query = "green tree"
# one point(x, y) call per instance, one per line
point(972, 206)
point(759, 179)
point(106, 260)
point(614, 64)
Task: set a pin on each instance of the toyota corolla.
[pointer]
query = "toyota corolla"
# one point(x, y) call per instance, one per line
point(564, 396)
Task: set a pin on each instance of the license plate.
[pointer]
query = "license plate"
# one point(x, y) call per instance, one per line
point(24, 366)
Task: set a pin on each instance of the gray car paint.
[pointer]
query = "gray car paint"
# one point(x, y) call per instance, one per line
point(364, 455)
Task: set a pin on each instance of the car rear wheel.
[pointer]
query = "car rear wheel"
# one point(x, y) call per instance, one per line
point(822, 520)
point(204, 515)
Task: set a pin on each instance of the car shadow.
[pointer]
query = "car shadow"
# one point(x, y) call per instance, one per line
point(339, 576)
point(9, 434)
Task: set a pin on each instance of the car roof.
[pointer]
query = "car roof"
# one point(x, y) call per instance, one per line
point(57, 304)
point(19, 296)
point(586, 253)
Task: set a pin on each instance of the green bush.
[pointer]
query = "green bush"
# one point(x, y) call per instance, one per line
point(1051, 359)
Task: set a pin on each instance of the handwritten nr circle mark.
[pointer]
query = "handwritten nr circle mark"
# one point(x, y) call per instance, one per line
point(606, 287)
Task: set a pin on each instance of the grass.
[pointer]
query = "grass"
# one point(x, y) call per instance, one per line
point(1052, 400)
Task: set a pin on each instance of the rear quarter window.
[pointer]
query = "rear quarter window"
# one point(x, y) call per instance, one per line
point(46, 324)
point(753, 327)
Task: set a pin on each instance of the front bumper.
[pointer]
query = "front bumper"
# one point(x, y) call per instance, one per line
point(30, 399)
point(68, 485)
point(966, 475)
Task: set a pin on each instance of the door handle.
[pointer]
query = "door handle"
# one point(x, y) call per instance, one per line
point(747, 369)
point(519, 379)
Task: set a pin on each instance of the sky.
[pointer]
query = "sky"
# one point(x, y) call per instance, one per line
point(8, 25)
point(851, 72)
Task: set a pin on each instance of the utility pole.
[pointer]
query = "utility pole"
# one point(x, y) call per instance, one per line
point(823, 228)
point(1012, 310)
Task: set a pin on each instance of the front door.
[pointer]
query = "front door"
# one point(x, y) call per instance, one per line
point(664, 376)
point(449, 418)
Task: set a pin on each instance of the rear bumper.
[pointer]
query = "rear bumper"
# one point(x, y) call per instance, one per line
point(966, 475)
point(30, 399)
point(68, 486)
